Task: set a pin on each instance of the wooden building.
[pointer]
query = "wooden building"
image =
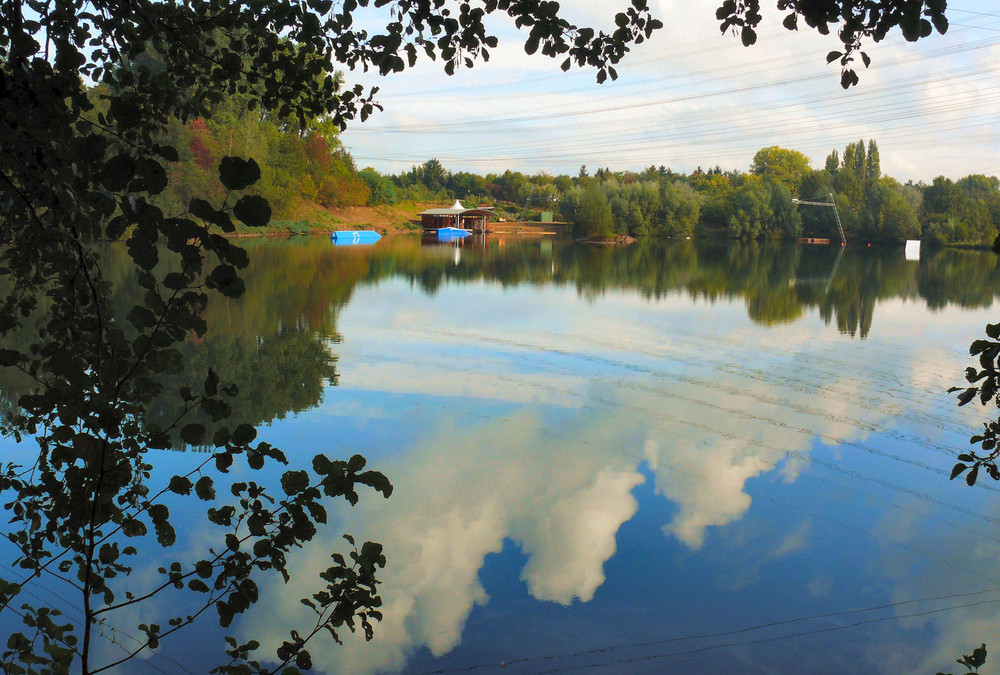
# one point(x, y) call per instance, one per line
point(456, 216)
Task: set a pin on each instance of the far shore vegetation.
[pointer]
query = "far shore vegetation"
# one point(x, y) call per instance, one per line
point(310, 180)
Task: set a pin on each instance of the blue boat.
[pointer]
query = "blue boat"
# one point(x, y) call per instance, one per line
point(452, 232)
point(348, 237)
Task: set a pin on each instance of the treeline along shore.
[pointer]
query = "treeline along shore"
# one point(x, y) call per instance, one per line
point(310, 180)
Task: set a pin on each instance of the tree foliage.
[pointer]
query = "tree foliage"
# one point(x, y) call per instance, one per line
point(972, 662)
point(594, 213)
point(856, 21)
point(97, 102)
point(788, 167)
point(873, 207)
point(963, 212)
point(984, 387)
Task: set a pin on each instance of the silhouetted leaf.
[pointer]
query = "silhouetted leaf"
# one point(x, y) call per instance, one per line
point(180, 484)
point(970, 477)
point(253, 211)
point(244, 434)
point(294, 482)
point(193, 434)
point(205, 489)
point(237, 173)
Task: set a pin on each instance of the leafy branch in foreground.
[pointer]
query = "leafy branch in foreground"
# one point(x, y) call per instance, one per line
point(985, 386)
point(973, 662)
point(82, 509)
point(89, 91)
point(856, 21)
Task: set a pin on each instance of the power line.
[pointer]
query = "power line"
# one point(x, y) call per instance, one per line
point(739, 631)
point(639, 137)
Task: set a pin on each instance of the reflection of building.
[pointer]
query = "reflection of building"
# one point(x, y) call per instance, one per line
point(456, 215)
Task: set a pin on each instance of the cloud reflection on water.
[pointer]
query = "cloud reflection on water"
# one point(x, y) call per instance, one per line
point(557, 478)
point(457, 497)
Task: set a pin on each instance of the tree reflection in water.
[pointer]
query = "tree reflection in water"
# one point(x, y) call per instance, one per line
point(562, 485)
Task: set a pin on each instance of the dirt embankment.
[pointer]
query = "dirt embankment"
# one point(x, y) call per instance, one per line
point(395, 219)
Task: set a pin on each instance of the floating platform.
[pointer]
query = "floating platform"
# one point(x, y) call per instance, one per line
point(348, 237)
point(812, 240)
point(452, 232)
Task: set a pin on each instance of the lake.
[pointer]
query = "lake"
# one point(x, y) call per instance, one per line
point(668, 457)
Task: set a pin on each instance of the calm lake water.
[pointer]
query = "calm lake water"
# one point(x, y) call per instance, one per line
point(667, 457)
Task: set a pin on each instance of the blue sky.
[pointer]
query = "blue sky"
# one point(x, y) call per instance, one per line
point(693, 97)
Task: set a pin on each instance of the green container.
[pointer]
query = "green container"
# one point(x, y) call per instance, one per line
point(545, 217)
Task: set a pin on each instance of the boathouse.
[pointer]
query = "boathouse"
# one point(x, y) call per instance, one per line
point(456, 215)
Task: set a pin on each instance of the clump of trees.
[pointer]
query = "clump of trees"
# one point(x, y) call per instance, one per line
point(299, 164)
point(962, 212)
point(308, 165)
point(757, 204)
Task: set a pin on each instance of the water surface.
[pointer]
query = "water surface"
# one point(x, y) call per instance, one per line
point(667, 457)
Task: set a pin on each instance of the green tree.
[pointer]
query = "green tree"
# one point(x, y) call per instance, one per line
point(859, 167)
point(716, 192)
point(680, 209)
point(963, 212)
point(786, 223)
point(465, 185)
point(433, 175)
point(381, 190)
point(593, 214)
point(817, 186)
point(752, 214)
point(787, 167)
point(634, 207)
point(940, 197)
point(896, 219)
point(850, 180)
point(569, 205)
point(832, 164)
point(873, 166)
